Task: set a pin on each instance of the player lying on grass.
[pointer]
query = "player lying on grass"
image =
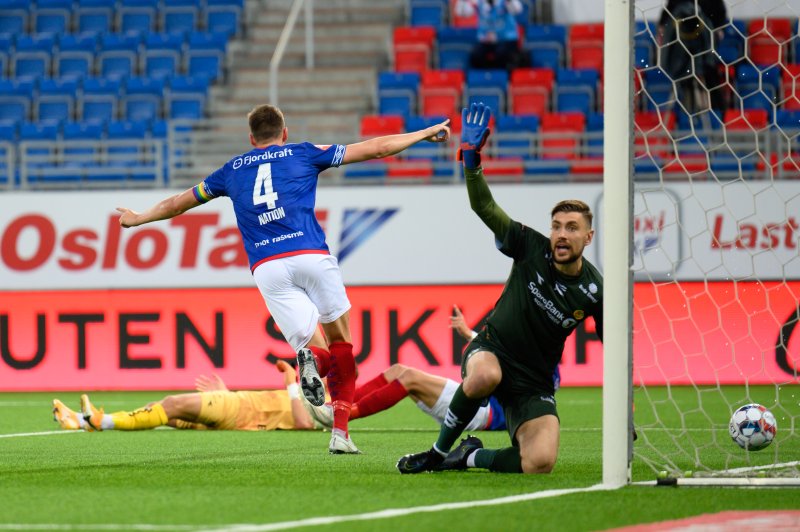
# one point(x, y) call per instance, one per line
point(212, 407)
point(431, 393)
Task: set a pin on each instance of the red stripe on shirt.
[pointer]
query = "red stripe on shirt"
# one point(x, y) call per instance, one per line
point(290, 254)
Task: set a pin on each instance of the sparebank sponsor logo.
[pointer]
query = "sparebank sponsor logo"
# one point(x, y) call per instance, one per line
point(555, 315)
point(261, 157)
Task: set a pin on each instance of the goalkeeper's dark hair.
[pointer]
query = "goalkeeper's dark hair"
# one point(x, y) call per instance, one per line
point(573, 205)
point(266, 122)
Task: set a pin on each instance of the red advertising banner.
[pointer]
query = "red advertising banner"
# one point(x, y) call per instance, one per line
point(162, 339)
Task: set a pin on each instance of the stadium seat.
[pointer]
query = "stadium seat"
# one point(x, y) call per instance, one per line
point(14, 109)
point(488, 86)
point(201, 40)
point(125, 130)
point(412, 47)
point(514, 136)
point(30, 65)
point(225, 19)
point(575, 90)
point(186, 97)
point(97, 107)
point(767, 40)
point(205, 63)
point(84, 136)
point(790, 87)
point(160, 63)
point(136, 19)
point(441, 92)
point(546, 45)
point(454, 47)
point(94, 19)
point(118, 64)
point(560, 135)
point(52, 20)
point(379, 125)
point(529, 91)
point(13, 21)
point(397, 93)
point(366, 170)
point(179, 19)
point(594, 135)
point(747, 119)
point(37, 131)
point(427, 12)
point(585, 46)
point(56, 101)
point(652, 132)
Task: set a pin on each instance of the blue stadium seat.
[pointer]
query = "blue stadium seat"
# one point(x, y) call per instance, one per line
point(55, 20)
point(488, 86)
point(82, 132)
point(160, 63)
point(3, 65)
point(118, 64)
point(15, 100)
point(397, 93)
point(186, 97)
point(53, 4)
point(130, 42)
point(37, 131)
point(56, 101)
point(594, 130)
point(30, 65)
point(225, 19)
point(179, 19)
point(425, 151)
point(515, 136)
point(546, 44)
point(141, 107)
point(205, 63)
point(201, 40)
point(455, 46)
point(13, 21)
point(78, 42)
point(73, 64)
point(9, 132)
point(427, 13)
point(576, 89)
point(36, 42)
point(97, 107)
point(94, 19)
point(164, 40)
point(125, 130)
point(366, 170)
point(136, 18)
point(659, 89)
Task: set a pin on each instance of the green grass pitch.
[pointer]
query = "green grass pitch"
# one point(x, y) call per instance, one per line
point(201, 480)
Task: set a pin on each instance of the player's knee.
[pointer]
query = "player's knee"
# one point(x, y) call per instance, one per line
point(395, 372)
point(482, 383)
point(538, 462)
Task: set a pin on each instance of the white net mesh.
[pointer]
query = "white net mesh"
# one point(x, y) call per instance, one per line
point(716, 234)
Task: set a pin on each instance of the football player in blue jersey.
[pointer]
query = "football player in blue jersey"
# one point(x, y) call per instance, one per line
point(273, 190)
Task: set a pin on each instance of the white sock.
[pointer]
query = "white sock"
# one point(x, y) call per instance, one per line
point(339, 432)
point(471, 458)
point(107, 423)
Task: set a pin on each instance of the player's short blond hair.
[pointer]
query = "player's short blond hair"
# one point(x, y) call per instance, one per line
point(573, 205)
point(266, 122)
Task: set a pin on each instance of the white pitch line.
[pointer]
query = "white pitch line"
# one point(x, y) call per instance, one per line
point(47, 433)
point(316, 521)
point(401, 512)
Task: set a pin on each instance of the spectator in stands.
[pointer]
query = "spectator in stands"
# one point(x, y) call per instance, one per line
point(686, 38)
point(498, 34)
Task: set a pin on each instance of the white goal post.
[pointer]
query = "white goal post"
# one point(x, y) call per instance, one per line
point(700, 236)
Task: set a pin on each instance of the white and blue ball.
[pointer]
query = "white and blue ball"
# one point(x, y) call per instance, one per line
point(753, 427)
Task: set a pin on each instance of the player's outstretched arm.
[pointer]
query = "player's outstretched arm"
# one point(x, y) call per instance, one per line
point(388, 145)
point(164, 209)
point(474, 132)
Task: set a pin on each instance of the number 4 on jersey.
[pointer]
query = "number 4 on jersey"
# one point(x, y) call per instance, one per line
point(264, 182)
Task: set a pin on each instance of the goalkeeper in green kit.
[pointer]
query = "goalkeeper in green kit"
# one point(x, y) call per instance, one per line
point(550, 291)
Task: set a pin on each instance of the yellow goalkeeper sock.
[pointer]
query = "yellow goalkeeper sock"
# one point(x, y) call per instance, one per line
point(144, 418)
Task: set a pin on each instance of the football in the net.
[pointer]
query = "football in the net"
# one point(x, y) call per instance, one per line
point(753, 427)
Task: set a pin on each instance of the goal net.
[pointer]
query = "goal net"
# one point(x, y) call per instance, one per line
point(716, 234)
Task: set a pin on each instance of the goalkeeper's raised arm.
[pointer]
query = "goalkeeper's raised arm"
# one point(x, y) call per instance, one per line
point(475, 131)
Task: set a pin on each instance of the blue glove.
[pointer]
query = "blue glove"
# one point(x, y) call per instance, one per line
point(474, 132)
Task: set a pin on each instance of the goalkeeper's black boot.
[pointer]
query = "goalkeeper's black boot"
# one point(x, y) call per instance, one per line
point(457, 459)
point(429, 460)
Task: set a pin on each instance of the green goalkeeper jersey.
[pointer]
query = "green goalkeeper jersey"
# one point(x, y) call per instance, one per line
point(539, 307)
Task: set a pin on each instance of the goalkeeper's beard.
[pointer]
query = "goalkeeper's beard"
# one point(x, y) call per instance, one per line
point(572, 257)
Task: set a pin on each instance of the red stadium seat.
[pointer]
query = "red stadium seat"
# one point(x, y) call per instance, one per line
point(752, 119)
point(507, 169)
point(529, 91)
point(767, 40)
point(585, 46)
point(790, 87)
point(412, 47)
point(560, 133)
point(416, 170)
point(652, 132)
point(378, 125)
point(441, 92)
